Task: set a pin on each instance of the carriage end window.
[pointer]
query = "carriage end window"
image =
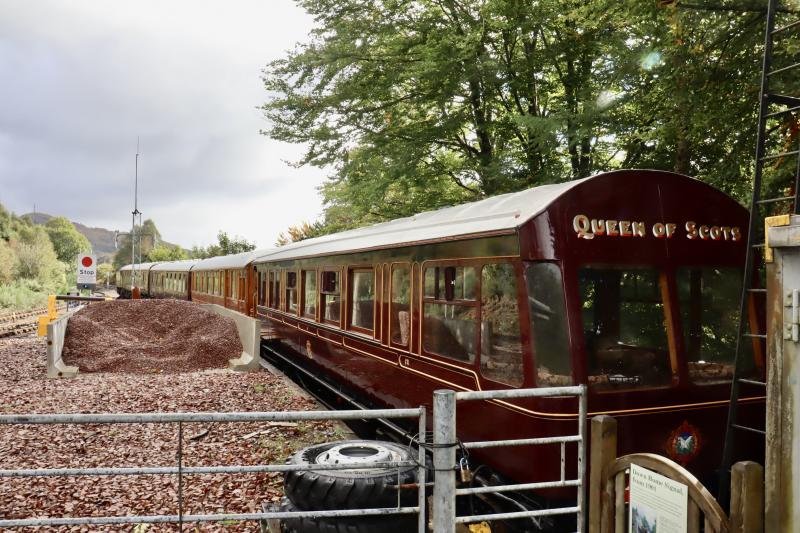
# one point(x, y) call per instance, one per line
point(625, 327)
point(450, 325)
point(362, 299)
point(709, 303)
point(501, 340)
point(548, 317)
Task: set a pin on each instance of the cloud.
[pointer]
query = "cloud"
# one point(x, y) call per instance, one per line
point(81, 80)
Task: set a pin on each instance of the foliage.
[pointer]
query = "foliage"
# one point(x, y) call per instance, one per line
point(163, 252)
point(29, 266)
point(22, 294)
point(148, 237)
point(8, 262)
point(105, 271)
point(10, 224)
point(413, 106)
point(67, 241)
point(37, 260)
point(226, 245)
point(299, 233)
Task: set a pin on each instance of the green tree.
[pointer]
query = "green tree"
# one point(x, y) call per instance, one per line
point(162, 252)
point(37, 259)
point(148, 237)
point(299, 232)
point(105, 271)
point(418, 105)
point(226, 245)
point(8, 262)
point(67, 241)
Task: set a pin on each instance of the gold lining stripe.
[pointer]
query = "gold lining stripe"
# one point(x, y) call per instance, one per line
point(523, 410)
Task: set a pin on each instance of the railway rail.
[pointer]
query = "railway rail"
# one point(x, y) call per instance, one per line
point(19, 323)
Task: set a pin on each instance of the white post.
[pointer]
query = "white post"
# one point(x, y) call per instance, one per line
point(444, 461)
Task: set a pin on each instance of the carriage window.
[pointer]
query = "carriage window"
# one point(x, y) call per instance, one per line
point(450, 325)
point(548, 325)
point(274, 289)
point(362, 299)
point(709, 299)
point(262, 288)
point(291, 292)
point(310, 293)
point(330, 299)
point(450, 283)
point(401, 310)
point(624, 327)
point(501, 341)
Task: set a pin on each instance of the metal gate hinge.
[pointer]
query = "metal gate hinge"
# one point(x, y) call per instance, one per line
point(791, 322)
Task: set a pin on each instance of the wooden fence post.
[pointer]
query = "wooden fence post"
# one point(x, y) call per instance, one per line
point(747, 498)
point(603, 452)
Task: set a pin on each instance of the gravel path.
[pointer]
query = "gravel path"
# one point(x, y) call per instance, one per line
point(26, 390)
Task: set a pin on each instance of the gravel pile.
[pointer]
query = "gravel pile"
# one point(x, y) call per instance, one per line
point(27, 390)
point(149, 336)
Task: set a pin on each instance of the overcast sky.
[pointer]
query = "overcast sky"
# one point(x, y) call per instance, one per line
point(80, 80)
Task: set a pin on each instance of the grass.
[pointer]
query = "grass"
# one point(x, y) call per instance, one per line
point(21, 296)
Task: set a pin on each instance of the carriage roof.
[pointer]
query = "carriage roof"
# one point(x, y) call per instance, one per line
point(499, 214)
point(175, 266)
point(139, 266)
point(223, 262)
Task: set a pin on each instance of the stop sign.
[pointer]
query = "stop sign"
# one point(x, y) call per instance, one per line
point(87, 269)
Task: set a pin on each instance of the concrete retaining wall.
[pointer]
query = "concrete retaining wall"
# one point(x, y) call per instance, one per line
point(55, 344)
point(249, 334)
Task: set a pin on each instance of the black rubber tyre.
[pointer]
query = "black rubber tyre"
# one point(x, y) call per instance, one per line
point(367, 524)
point(349, 489)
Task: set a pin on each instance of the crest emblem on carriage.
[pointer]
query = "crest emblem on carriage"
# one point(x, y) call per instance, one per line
point(684, 443)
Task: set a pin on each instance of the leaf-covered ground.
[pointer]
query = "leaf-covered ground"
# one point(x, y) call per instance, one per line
point(25, 389)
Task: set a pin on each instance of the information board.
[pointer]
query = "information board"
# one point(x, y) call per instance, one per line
point(657, 503)
point(87, 269)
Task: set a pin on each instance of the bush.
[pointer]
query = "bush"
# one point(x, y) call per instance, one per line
point(8, 262)
point(22, 295)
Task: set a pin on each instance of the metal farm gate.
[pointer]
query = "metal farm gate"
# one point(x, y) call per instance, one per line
point(444, 462)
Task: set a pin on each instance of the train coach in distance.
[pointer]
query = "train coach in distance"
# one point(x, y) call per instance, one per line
point(616, 281)
point(627, 282)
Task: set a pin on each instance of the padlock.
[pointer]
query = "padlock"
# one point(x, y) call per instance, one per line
point(464, 471)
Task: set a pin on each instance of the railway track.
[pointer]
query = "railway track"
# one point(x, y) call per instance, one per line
point(20, 323)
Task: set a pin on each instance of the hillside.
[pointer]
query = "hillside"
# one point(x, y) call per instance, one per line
point(102, 240)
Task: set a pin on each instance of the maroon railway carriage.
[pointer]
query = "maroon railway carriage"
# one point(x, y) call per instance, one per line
point(170, 280)
point(225, 280)
point(627, 282)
